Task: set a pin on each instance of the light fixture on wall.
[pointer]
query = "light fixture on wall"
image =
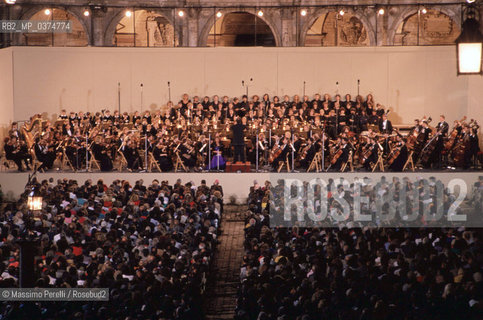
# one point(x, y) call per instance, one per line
point(10, 1)
point(469, 45)
point(341, 12)
point(260, 13)
point(128, 13)
point(86, 13)
point(381, 11)
point(470, 1)
point(47, 12)
point(181, 13)
point(219, 14)
point(424, 11)
point(303, 12)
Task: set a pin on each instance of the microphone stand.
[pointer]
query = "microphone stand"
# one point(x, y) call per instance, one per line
point(337, 122)
point(209, 151)
point(218, 155)
point(146, 151)
point(293, 152)
point(141, 97)
point(323, 147)
point(358, 86)
point(270, 138)
point(169, 91)
point(251, 79)
point(119, 97)
point(304, 89)
point(256, 155)
point(87, 151)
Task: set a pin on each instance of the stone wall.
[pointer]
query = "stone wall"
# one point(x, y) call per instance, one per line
point(360, 26)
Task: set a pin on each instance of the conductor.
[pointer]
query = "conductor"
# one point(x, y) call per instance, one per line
point(238, 141)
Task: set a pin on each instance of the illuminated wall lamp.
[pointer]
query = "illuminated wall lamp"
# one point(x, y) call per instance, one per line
point(469, 47)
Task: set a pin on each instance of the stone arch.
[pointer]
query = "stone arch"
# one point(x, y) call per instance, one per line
point(406, 12)
point(309, 21)
point(76, 13)
point(205, 31)
point(110, 29)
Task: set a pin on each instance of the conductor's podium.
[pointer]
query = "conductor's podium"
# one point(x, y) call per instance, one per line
point(238, 166)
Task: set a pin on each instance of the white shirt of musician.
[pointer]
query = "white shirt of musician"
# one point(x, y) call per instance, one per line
point(384, 124)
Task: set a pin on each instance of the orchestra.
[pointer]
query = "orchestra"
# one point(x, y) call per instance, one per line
point(203, 134)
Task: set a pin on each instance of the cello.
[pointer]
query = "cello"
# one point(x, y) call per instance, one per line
point(366, 153)
point(396, 151)
point(276, 152)
point(337, 154)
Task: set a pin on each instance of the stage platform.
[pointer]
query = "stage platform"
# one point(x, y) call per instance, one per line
point(235, 185)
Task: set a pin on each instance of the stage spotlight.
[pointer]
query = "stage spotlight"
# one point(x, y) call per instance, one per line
point(47, 12)
point(219, 14)
point(86, 13)
point(341, 12)
point(303, 12)
point(424, 11)
point(180, 13)
point(381, 11)
point(10, 1)
point(260, 13)
point(128, 13)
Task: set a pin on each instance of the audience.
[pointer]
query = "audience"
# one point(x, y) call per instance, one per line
point(151, 245)
point(358, 273)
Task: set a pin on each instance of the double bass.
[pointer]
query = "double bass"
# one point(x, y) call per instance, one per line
point(452, 137)
point(459, 151)
point(430, 146)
